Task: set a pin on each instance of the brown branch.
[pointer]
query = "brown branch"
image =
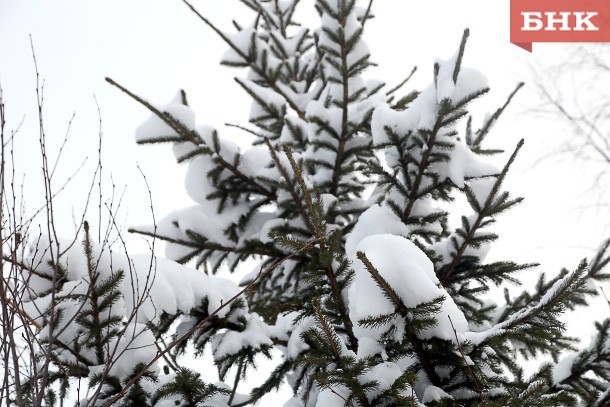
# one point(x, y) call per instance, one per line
point(474, 378)
point(17, 309)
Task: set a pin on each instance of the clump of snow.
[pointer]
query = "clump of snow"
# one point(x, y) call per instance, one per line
point(265, 100)
point(369, 347)
point(268, 227)
point(242, 42)
point(375, 220)
point(254, 159)
point(242, 47)
point(464, 163)
point(296, 344)
point(293, 402)
point(136, 346)
point(563, 369)
point(195, 219)
point(333, 398)
point(469, 81)
point(385, 374)
point(154, 128)
point(421, 114)
point(198, 184)
point(231, 342)
point(444, 80)
point(433, 393)
point(283, 326)
point(411, 273)
point(482, 189)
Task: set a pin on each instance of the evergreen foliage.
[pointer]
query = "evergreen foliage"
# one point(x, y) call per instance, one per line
point(364, 284)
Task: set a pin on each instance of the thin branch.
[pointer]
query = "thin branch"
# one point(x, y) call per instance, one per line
point(474, 377)
point(401, 84)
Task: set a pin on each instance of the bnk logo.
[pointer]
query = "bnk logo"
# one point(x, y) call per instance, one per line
point(562, 21)
point(559, 21)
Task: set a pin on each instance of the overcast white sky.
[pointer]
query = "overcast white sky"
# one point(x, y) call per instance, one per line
point(155, 47)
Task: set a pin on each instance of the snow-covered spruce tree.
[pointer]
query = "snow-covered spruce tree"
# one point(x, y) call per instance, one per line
point(370, 293)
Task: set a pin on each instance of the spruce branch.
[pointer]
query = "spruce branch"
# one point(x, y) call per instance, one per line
point(93, 296)
point(402, 83)
point(193, 137)
point(423, 165)
point(331, 335)
point(238, 376)
point(475, 142)
point(270, 109)
point(367, 14)
point(245, 129)
point(199, 244)
point(316, 216)
point(274, 380)
point(252, 63)
point(588, 376)
point(382, 283)
point(344, 103)
point(313, 214)
point(406, 313)
point(603, 400)
point(189, 386)
point(201, 324)
point(458, 62)
point(492, 205)
point(327, 337)
point(292, 187)
point(599, 262)
point(541, 314)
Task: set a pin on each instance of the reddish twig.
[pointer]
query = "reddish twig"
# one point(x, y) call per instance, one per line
point(474, 377)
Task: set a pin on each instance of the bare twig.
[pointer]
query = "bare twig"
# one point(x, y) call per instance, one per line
point(604, 295)
point(474, 377)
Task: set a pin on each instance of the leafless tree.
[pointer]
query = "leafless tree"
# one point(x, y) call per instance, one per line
point(32, 252)
point(575, 91)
